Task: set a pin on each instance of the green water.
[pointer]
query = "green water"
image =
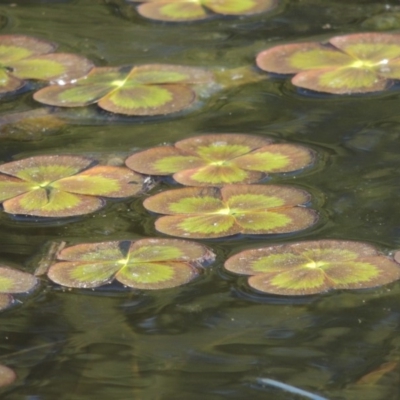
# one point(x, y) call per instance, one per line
point(212, 338)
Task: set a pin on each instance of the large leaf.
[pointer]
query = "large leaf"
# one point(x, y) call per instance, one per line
point(248, 209)
point(357, 63)
point(14, 281)
point(143, 264)
point(312, 267)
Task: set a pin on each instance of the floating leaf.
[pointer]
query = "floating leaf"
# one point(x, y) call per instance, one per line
point(61, 186)
point(142, 264)
point(29, 125)
point(218, 212)
point(192, 10)
point(356, 63)
point(312, 267)
point(13, 281)
point(215, 160)
point(7, 376)
point(144, 90)
point(23, 57)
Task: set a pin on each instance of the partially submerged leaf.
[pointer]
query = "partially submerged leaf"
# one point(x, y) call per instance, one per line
point(23, 57)
point(356, 63)
point(214, 160)
point(144, 90)
point(142, 264)
point(312, 267)
point(248, 209)
point(14, 281)
point(372, 377)
point(192, 10)
point(7, 375)
point(61, 186)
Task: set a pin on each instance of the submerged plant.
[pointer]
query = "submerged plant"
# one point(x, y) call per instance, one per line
point(7, 376)
point(356, 63)
point(191, 10)
point(217, 212)
point(13, 281)
point(144, 90)
point(313, 267)
point(62, 186)
point(214, 160)
point(141, 264)
point(24, 57)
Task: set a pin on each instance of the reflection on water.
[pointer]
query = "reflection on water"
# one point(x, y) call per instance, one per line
point(214, 337)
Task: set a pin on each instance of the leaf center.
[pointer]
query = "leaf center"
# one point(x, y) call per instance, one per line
point(314, 265)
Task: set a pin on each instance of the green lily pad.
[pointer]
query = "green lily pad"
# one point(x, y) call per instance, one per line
point(218, 212)
point(192, 10)
point(145, 90)
point(214, 160)
point(23, 57)
point(312, 267)
point(356, 63)
point(142, 264)
point(7, 376)
point(13, 281)
point(62, 186)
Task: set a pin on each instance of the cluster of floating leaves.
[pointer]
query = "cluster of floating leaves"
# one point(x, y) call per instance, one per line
point(356, 63)
point(62, 186)
point(312, 267)
point(24, 57)
point(13, 281)
point(141, 264)
point(218, 212)
point(192, 10)
point(143, 90)
point(216, 160)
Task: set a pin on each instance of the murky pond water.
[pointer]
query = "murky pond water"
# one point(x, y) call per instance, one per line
point(215, 337)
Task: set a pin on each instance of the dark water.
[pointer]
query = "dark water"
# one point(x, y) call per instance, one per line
point(213, 338)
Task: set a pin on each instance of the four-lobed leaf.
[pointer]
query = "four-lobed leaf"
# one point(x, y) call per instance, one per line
point(356, 63)
point(216, 160)
point(154, 89)
point(14, 281)
point(192, 10)
point(62, 186)
point(312, 267)
point(218, 212)
point(24, 57)
point(141, 264)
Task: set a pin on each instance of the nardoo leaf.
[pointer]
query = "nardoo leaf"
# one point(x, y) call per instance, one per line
point(216, 160)
point(142, 264)
point(312, 267)
point(219, 212)
point(61, 186)
point(14, 281)
point(192, 10)
point(23, 57)
point(156, 89)
point(356, 63)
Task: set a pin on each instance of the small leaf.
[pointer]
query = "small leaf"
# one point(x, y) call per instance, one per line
point(7, 375)
point(14, 281)
point(239, 7)
point(143, 264)
point(5, 301)
point(59, 66)
point(148, 99)
point(248, 209)
point(313, 267)
point(152, 275)
point(173, 11)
